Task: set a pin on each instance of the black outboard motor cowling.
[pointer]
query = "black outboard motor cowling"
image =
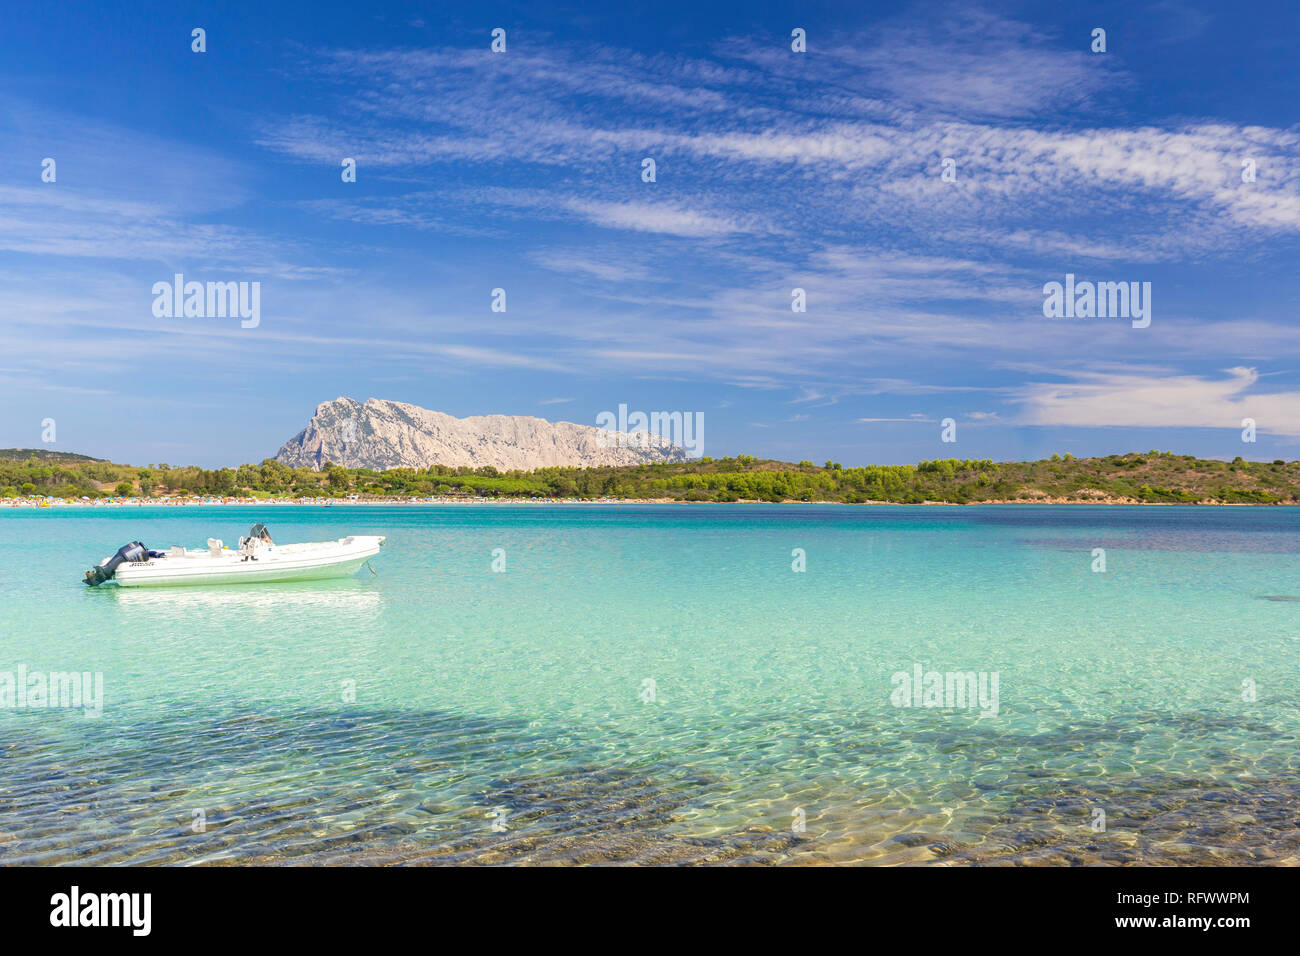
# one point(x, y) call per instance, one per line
point(135, 551)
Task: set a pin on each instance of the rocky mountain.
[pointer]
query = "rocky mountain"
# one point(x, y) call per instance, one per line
point(381, 434)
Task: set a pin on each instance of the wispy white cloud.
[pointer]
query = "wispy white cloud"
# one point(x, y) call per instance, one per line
point(1093, 400)
point(615, 267)
point(661, 217)
point(959, 59)
point(960, 81)
point(914, 418)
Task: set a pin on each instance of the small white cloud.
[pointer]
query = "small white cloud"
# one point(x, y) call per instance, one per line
point(1125, 400)
point(655, 217)
point(607, 269)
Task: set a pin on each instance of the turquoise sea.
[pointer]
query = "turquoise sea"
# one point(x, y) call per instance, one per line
point(656, 684)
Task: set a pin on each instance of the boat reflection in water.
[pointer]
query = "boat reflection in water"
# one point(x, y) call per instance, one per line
point(252, 602)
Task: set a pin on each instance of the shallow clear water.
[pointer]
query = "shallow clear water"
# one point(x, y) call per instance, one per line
point(503, 716)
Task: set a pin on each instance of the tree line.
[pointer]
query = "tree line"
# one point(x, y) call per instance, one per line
point(1151, 477)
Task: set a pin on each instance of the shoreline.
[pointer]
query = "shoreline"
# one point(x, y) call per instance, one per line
point(42, 504)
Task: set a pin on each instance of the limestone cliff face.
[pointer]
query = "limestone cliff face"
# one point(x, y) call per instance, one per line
point(381, 434)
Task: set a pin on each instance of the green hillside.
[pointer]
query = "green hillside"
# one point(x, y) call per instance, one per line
point(41, 454)
point(1152, 477)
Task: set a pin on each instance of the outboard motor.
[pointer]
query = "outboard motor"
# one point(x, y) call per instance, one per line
point(135, 551)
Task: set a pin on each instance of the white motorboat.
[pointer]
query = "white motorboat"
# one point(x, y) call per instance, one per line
point(257, 559)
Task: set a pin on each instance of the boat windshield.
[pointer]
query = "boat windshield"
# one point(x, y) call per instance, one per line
point(256, 539)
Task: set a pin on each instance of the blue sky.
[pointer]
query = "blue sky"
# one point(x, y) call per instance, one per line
point(775, 170)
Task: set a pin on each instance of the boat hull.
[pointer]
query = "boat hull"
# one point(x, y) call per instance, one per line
point(229, 568)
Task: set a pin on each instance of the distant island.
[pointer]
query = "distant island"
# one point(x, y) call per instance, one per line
point(382, 434)
point(1152, 477)
point(42, 454)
